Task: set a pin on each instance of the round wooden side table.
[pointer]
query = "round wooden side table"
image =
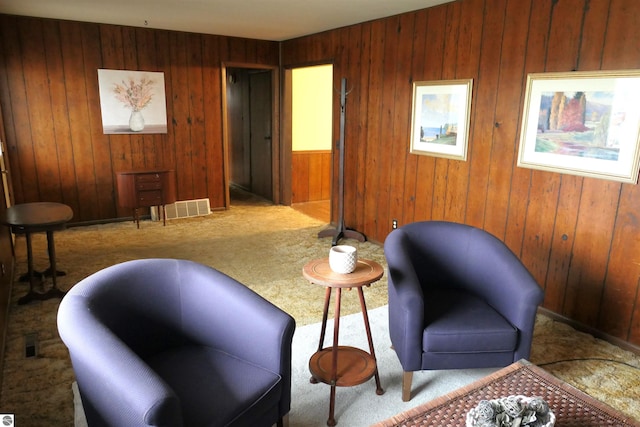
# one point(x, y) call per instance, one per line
point(29, 218)
point(342, 366)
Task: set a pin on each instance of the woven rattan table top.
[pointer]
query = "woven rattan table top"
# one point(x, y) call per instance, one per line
point(571, 406)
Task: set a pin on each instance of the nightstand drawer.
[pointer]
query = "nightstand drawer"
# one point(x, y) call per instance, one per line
point(149, 185)
point(150, 198)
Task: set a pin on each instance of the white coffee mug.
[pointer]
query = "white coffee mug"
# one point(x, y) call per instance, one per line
point(343, 258)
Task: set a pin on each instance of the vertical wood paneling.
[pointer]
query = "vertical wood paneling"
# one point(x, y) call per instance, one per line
point(51, 103)
point(112, 57)
point(578, 236)
point(147, 59)
point(372, 130)
point(509, 91)
point(315, 177)
point(310, 176)
point(363, 49)
point(521, 182)
point(405, 210)
point(215, 181)
point(299, 178)
point(104, 201)
point(400, 118)
point(350, 41)
point(399, 89)
point(37, 92)
point(385, 145)
point(483, 114)
point(73, 50)
point(62, 134)
point(468, 54)
point(597, 204)
point(23, 164)
point(165, 142)
point(620, 308)
point(562, 53)
point(434, 54)
point(196, 114)
point(181, 118)
point(448, 72)
point(591, 249)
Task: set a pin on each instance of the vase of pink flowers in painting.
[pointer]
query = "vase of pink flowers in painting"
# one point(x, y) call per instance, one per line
point(135, 96)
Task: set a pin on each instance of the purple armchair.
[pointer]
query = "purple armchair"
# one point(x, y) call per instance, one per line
point(164, 342)
point(458, 298)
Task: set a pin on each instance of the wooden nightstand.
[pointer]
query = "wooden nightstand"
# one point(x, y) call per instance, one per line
point(144, 189)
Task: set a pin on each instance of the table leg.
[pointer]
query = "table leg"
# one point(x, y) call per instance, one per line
point(32, 294)
point(51, 248)
point(334, 354)
point(29, 276)
point(365, 316)
point(136, 219)
point(52, 271)
point(325, 313)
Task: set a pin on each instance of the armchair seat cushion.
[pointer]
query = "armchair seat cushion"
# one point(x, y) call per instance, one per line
point(459, 322)
point(217, 388)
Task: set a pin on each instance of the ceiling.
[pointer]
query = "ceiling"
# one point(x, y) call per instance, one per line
point(275, 20)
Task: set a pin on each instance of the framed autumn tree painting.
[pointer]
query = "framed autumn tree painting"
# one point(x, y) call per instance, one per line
point(582, 123)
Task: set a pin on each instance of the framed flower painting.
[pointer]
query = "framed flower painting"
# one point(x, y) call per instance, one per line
point(132, 101)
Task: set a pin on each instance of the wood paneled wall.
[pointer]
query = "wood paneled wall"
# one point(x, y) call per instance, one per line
point(310, 176)
point(580, 237)
point(50, 99)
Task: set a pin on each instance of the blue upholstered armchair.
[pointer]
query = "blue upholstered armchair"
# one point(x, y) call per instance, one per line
point(458, 298)
point(164, 342)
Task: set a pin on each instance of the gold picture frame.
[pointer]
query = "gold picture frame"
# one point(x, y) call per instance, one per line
point(440, 118)
point(582, 123)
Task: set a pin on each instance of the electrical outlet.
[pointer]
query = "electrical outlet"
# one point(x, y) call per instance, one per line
point(394, 224)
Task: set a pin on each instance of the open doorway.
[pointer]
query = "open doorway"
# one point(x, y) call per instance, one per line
point(311, 140)
point(251, 152)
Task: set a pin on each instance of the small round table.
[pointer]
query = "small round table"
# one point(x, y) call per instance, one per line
point(342, 366)
point(28, 218)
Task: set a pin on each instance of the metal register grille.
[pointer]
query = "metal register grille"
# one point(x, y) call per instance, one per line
point(188, 208)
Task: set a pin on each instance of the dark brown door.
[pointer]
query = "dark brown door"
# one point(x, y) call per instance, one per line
point(260, 103)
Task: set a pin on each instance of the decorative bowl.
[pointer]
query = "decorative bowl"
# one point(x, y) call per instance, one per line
point(511, 411)
point(343, 258)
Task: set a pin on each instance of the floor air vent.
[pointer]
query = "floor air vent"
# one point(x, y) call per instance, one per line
point(188, 208)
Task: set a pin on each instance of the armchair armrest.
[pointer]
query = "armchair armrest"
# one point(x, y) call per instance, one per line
point(136, 390)
point(406, 301)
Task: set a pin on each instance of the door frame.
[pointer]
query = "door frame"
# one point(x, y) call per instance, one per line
point(275, 128)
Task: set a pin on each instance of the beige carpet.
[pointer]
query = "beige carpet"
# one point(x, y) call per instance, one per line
point(265, 247)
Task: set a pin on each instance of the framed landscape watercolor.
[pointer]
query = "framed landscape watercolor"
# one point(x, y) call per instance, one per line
point(440, 118)
point(582, 123)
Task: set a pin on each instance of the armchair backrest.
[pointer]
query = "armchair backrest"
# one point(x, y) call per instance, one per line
point(448, 254)
point(115, 319)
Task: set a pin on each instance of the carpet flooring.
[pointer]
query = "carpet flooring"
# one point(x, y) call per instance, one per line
point(263, 246)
